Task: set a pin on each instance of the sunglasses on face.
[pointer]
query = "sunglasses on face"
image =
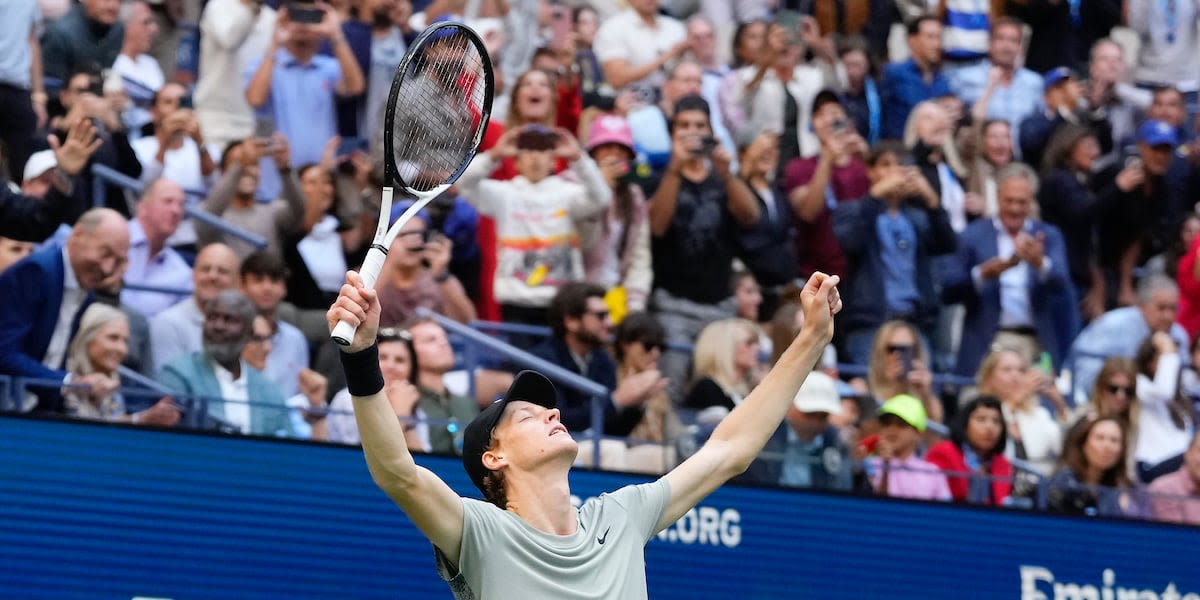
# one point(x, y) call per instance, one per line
point(1123, 389)
point(387, 334)
point(599, 314)
point(898, 348)
point(652, 346)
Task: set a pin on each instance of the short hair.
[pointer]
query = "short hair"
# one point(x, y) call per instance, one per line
point(1017, 170)
point(265, 263)
point(638, 327)
point(93, 218)
point(914, 26)
point(885, 147)
point(570, 302)
point(242, 306)
point(1152, 283)
point(1007, 21)
point(688, 103)
point(958, 433)
point(1104, 41)
point(1166, 89)
point(225, 154)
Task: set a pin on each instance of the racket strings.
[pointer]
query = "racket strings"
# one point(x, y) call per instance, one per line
point(438, 111)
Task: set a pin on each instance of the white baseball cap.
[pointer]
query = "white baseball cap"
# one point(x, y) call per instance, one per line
point(818, 394)
point(39, 163)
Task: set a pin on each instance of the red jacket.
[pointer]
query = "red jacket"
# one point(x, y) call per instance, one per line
point(947, 455)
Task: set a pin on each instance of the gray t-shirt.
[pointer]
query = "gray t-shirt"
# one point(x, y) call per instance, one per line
point(504, 557)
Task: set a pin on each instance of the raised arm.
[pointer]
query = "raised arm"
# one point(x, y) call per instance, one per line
point(743, 433)
point(433, 507)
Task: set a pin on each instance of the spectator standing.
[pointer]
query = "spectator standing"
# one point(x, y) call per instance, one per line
point(241, 398)
point(634, 45)
point(22, 95)
point(233, 34)
point(916, 79)
point(890, 238)
point(693, 209)
point(767, 247)
point(1007, 90)
point(650, 123)
point(973, 458)
point(538, 241)
point(151, 261)
point(748, 40)
point(620, 255)
point(234, 198)
point(97, 350)
point(1092, 479)
point(47, 292)
point(993, 141)
point(702, 48)
point(176, 331)
point(389, 42)
point(861, 98)
point(1176, 497)
point(894, 467)
point(1170, 38)
point(436, 405)
point(59, 198)
point(264, 283)
point(1011, 273)
point(816, 185)
point(1063, 97)
point(89, 36)
point(580, 323)
point(1064, 32)
point(176, 149)
point(1108, 89)
point(140, 73)
point(1067, 200)
point(296, 86)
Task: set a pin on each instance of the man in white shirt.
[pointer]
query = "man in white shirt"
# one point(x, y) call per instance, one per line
point(176, 151)
point(635, 45)
point(232, 34)
point(151, 261)
point(176, 330)
point(140, 73)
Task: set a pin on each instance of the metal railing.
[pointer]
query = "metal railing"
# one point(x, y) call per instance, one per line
point(476, 339)
point(105, 175)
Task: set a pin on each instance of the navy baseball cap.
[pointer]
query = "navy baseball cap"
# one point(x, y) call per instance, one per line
point(529, 386)
point(1056, 76)
point(1157, 133)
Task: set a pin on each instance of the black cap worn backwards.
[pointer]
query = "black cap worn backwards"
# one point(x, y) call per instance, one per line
point(528, 386)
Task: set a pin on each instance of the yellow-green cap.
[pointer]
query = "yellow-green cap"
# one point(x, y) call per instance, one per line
point(908, 408)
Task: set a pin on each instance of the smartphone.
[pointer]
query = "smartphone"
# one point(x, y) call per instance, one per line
point(350, 144)
point(186, 102)
point(839, 125)
point(906, 360)
point(707, 145)
point(264, 127)
point(112, 82)
point(304, 12)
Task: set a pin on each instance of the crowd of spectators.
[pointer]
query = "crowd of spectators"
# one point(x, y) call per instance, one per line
point(1005, 188)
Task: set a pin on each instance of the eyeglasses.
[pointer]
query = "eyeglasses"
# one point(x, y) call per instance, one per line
point(387, 334)
point(599, 314)
point(651, 346)
point(1124, 389)
point(898, 348)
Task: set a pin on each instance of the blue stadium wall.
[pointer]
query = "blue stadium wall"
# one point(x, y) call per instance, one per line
point(97, 511)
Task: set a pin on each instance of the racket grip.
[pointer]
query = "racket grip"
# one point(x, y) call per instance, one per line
point(343, 333)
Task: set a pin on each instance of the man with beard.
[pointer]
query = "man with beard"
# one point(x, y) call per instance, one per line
point(579, 319)
point(234, 198)
point(45, 294)
point(239, 397)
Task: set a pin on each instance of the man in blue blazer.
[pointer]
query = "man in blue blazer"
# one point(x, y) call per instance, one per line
point(238, 397)
point(45, 294)
point(1010, 273)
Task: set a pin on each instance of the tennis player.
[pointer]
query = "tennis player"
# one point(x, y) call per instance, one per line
point(526, 540)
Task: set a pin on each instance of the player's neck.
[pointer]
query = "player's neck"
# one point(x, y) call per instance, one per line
point(543, 501)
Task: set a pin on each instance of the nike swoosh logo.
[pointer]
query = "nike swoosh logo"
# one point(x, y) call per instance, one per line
point(600, 540)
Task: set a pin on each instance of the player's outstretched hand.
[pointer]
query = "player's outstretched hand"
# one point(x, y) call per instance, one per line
point(358, 305)
point(820, 301)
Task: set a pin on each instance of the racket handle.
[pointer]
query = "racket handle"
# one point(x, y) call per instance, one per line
point(343, 333)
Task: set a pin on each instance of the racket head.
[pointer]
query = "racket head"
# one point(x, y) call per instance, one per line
point(438, 108)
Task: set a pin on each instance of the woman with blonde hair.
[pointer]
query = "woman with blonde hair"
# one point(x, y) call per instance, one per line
point(724, 364)
point(98, 348)
point(899, 365)
point(1034, 435)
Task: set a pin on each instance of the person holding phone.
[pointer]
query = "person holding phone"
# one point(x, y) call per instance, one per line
point(898, 364)
point(418, 275)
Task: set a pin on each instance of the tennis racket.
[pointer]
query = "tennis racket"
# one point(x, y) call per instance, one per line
point(436, 113)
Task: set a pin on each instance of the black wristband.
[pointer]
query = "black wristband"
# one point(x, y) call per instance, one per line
point(363, 377)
